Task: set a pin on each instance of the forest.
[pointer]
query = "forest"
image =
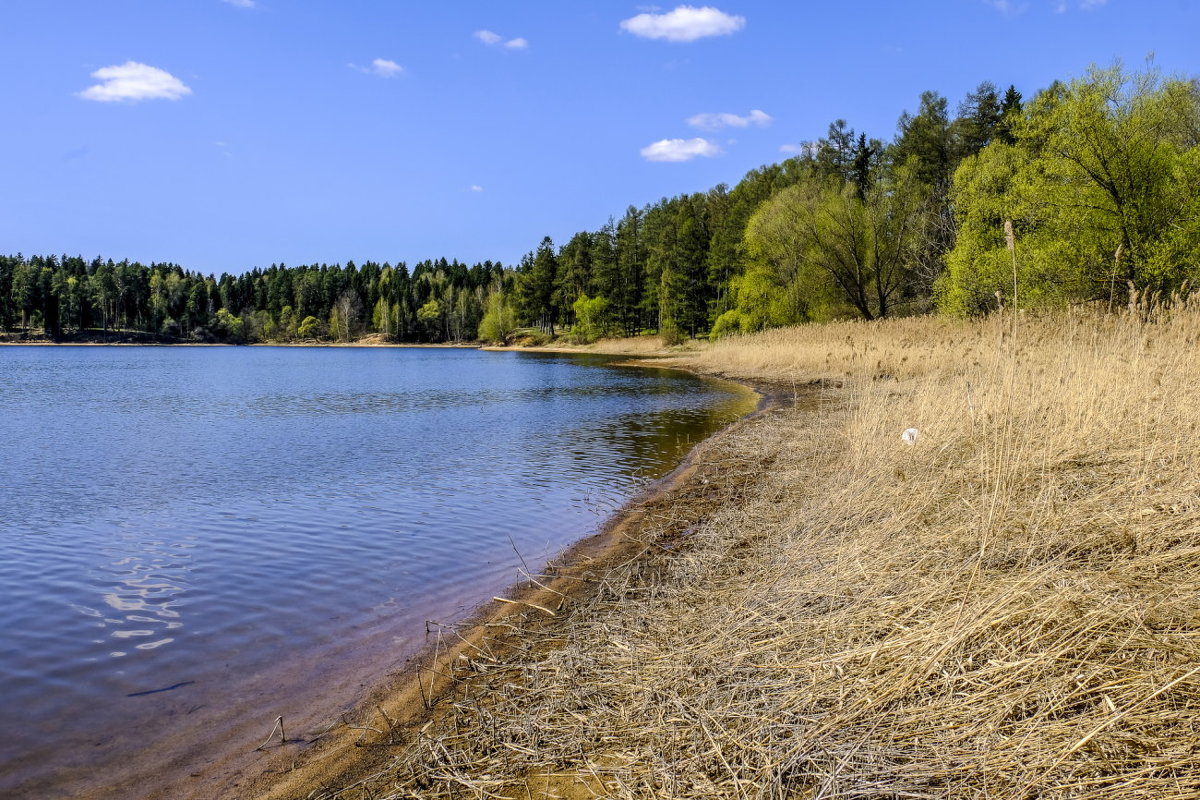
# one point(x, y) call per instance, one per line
point(1082, 194)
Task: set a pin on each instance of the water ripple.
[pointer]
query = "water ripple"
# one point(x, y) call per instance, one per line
point(197, 517)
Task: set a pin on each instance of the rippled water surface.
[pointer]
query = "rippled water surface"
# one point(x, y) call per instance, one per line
point(196, 540)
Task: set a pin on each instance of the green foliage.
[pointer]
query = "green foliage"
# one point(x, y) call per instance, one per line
point(1100, 187)
point(672, 335)
point(311, 328)
point(980, 264)
point(820, 236)
point(536, 284)
point(228, 327)
point(592, 319)
point(499, 321)
point(382, 319)
point(978, 121)
point(430, 312)
point(69, 294)
point(925, 141)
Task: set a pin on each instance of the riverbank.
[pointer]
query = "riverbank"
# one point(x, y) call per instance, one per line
point(1004, 607)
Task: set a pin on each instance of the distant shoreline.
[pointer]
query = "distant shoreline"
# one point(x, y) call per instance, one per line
point(150, 340)
point(647, 346)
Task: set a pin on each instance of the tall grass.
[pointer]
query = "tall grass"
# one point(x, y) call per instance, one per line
point(1009, 607)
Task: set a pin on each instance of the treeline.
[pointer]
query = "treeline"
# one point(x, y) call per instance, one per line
point(1087, 191)
point(852, 225)
point(438, 301)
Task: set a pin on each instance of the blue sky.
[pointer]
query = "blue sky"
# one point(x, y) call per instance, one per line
point(228, 134)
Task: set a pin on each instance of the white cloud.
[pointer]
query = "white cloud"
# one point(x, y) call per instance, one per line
point(713, 122)
point(242, 3)
point(1007, 7)
point(131, 81)
point(385, 68)
point(684, 24)
point(680, 150)
point(475, 187)
point(492, 39)
point(791, 148)
point(1063, 6)
point(381, 67)
point(1017, 7)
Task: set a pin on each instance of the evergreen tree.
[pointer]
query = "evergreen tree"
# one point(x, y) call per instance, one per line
point(925, 139)
point(978, 121)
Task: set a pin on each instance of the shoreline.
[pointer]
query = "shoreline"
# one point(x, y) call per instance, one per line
point(229, 766)
point(396, 710)
point(313, 757)
point(999, 602)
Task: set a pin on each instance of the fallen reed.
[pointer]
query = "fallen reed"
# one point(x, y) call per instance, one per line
point(1009, 607)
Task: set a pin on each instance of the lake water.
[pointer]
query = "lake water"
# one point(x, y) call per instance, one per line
point(197, 540)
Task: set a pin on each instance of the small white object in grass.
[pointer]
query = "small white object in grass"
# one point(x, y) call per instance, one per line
point(910, 436)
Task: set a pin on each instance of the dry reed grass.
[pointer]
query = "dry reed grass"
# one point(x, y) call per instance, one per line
point(1010, 608)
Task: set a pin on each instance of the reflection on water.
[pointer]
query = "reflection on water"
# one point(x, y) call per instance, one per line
point(143, 599)
point(187, 528)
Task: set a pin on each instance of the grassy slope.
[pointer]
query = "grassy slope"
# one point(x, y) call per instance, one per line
point(1008, 608)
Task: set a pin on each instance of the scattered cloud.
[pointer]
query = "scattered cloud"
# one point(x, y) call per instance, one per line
point(131, 82)
point(386, 68)
point(684, 24)
point(714, 122)
point(1008, 7)
point(1015, 7)
point(680, 150)
point(791, 148)
point(475, 187)
point(492, 39)
point(381, 67)
point(242, 3)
